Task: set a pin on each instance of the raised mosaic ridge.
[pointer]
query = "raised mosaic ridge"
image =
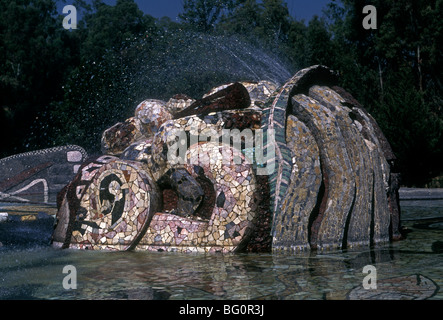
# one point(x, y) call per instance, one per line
point(329, 226)
point(359, 216)
point(292, 225)
point(274, 118)
point(359, 221)
point(46, 151)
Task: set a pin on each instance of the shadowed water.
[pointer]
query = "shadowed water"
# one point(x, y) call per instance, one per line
point(34, 270)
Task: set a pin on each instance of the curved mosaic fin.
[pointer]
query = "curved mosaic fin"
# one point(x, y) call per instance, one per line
point(329, 226)
point(275, 113)
point(292, 231)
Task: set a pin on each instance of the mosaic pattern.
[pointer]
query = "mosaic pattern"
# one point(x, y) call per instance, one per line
point(361, 164)
point(336, 166)
point(274, 118)
point(178, 186)
point(116, 201)
point(299, 202)
point(352, 167)
point(171, 132)
point(178, 103)
point(46, 152)
point(232, 216)
point(412, 287)
point(139, 151)
point(120, 136)
point(39, 175)
point(231, 97)
point(259, 92)
point(152, 114)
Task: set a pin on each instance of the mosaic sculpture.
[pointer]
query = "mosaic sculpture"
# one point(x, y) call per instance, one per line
point(294, 168)
point(38, 175)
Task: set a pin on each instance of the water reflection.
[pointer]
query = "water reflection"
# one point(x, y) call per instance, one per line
point(35, 272)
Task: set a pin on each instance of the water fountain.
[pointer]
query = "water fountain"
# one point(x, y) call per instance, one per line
point(327, 176)
point(313, 176)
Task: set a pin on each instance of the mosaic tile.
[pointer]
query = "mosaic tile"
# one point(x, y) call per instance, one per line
point(178, 103)
point(112, 207)
point(336, 165)
point(152, 114)
point(210, 234)
point(292, 226)
point(120, 136)
point(359, 225)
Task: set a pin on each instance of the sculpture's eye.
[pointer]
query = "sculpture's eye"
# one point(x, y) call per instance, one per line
point(112, 197)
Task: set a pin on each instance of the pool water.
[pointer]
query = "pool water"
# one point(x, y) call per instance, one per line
point(409, 269)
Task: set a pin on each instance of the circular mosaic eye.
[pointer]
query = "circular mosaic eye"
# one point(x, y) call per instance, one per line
point(112, 197)
point(119, 203)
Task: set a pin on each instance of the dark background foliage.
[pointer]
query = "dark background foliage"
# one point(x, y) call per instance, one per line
point(65, 87)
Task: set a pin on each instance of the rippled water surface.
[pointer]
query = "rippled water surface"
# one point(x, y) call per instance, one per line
point(31, 269)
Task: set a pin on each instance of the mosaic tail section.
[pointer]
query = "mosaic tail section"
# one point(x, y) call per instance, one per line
point(38, 176)
point(352, 182)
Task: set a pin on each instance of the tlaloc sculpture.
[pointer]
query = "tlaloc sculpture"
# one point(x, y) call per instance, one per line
point(248, 167)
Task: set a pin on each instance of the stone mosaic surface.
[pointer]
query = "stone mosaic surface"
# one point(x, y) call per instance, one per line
point(176, 178)
point(120, 136)
point(232, 217)
point(299, 201)
point(360, 160)
point(152, 114)
point(108, 206)
point(339, 184)
point(412, 287)
point(178, 103)
point(38, 176)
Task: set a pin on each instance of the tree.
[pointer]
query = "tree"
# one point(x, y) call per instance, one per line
point(395, 71)
point(275, 20)
point(319, 48)
point(109, 27)
point(415, 132)
point(35, 57)
point(202, 15)
point(244, 19)
point(265, 24)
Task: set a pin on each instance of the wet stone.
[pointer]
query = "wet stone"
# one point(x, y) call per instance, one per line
point(120, 136)
point(359, 225)
point(336, 166)
point(152, 114)
point(299, 201)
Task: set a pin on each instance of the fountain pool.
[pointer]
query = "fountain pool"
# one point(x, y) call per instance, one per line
point(409, 269)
